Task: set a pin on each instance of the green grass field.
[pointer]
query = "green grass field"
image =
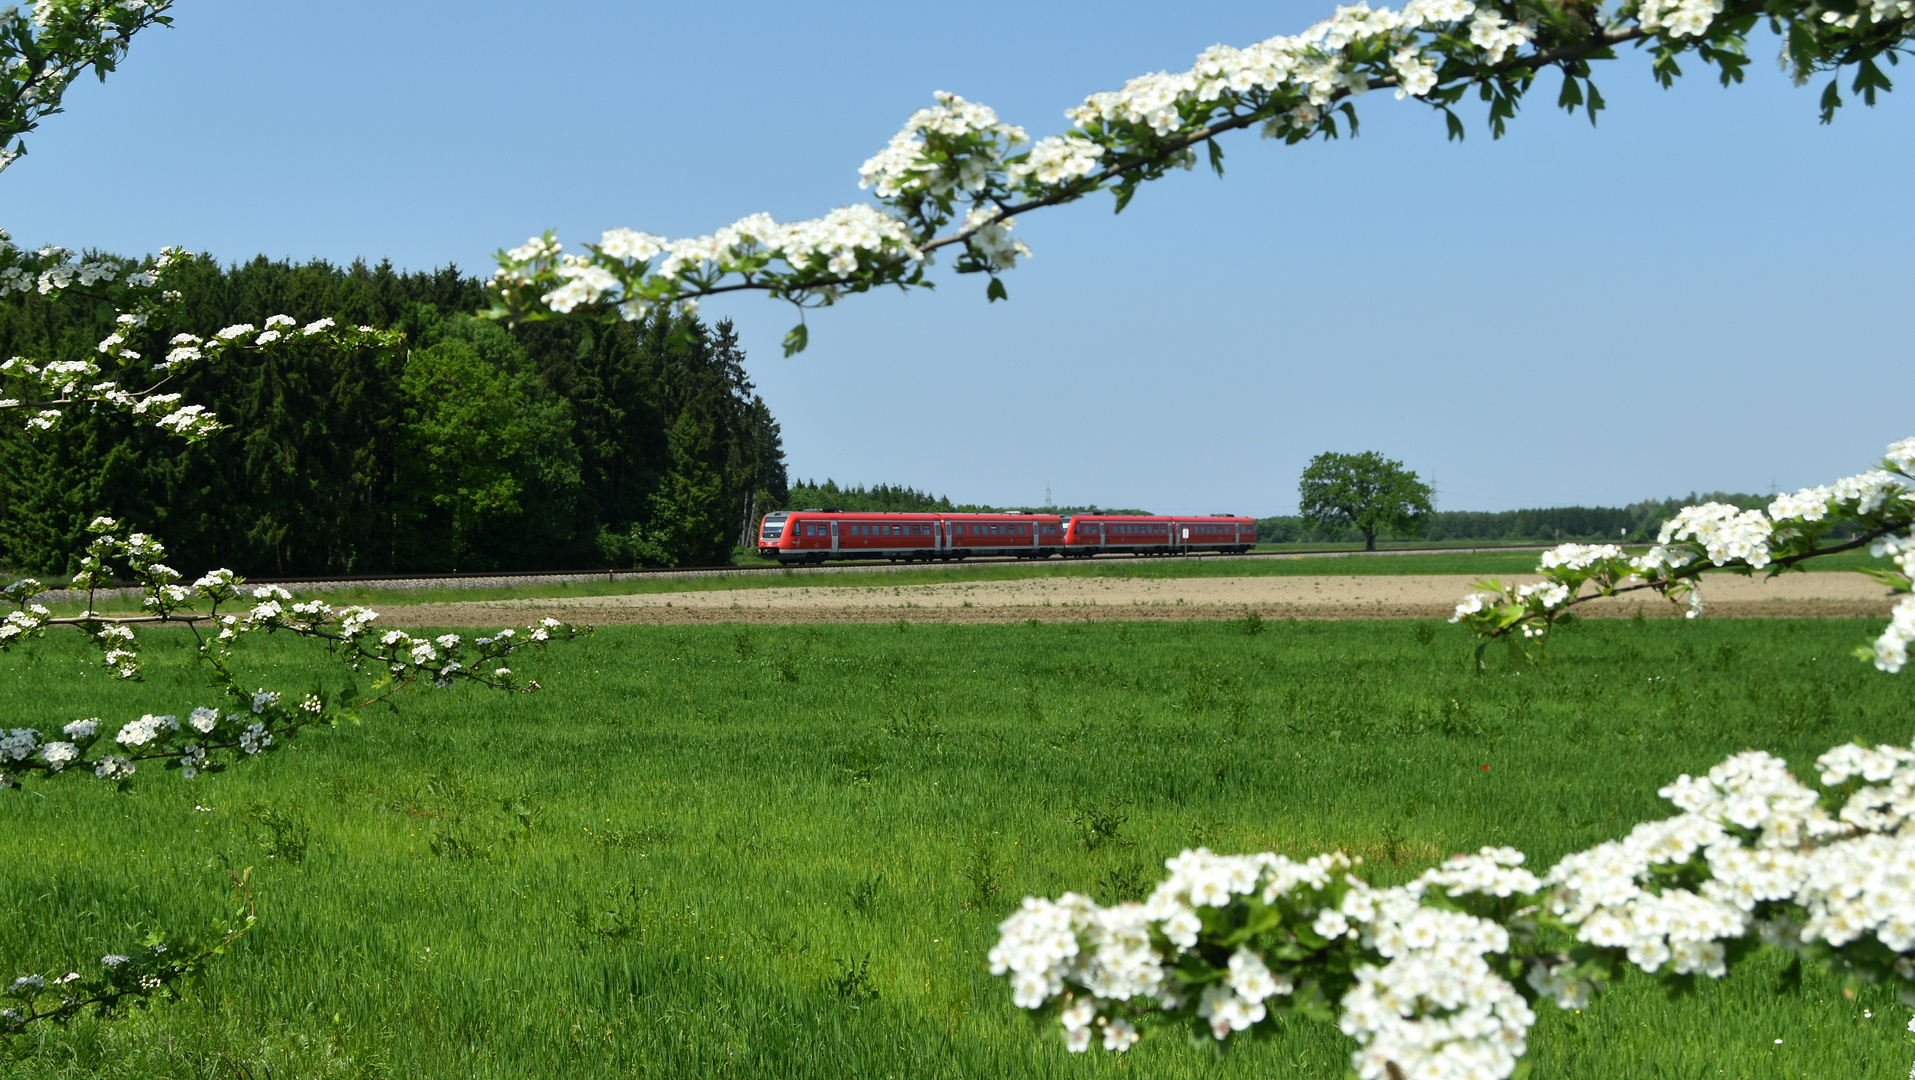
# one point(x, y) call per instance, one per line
point(722, 852)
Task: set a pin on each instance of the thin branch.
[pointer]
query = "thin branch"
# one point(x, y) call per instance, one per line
point(1576, 51)
point(128, 620)
point(1696, 570)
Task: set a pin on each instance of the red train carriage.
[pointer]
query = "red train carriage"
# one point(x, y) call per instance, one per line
point(1098, 534)
point(800, 536)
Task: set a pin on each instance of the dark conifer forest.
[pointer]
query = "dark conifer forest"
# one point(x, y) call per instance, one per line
point(474, 447)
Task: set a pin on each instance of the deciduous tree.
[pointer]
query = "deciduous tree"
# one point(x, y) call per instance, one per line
point(1366, 491)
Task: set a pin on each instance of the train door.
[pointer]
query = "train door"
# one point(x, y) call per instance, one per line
point(834, 536)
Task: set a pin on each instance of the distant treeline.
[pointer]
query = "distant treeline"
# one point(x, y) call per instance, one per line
point(474, 447)
point(1635, 523)
point(887, 499)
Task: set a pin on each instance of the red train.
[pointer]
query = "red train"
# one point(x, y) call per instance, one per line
point(813, 536)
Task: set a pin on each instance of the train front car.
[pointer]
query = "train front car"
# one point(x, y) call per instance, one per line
point(1134, 534)
point(771, 535)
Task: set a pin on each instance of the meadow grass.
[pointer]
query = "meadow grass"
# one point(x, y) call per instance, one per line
point(783, 852)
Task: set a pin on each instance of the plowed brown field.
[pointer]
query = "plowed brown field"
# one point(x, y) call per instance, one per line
point(1123, 598)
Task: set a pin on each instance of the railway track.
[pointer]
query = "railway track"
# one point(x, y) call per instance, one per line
point(496, 580)
point(484, 580)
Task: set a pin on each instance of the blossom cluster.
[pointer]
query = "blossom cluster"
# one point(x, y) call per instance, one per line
point(1435, 979)
point(1231, 941)
point(1878, 505)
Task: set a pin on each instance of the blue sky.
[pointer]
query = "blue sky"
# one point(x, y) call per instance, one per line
point(1708, 291)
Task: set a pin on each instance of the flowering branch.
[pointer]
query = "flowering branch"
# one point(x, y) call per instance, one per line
point(263, 716)
point(1435, 979)
point(956, 176)
point(41, 55)
point(137, 288)
point(124, 979)
point(1875, 509)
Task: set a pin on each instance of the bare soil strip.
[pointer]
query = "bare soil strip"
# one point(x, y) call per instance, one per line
point(1133, 599)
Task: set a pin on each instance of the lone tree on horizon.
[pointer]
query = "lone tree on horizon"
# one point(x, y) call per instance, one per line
point(1366, 491)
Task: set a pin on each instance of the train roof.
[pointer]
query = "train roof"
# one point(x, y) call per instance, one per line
point(1005, 514)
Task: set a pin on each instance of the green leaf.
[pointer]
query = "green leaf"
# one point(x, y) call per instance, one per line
point(1123, 192)
point(1455, 125)
point(994, 291)
point(1869, 79)
point(796, 341)
point(1572, 95)
point(1216, 157)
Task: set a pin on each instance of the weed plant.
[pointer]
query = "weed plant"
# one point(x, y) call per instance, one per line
point(753, 852)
